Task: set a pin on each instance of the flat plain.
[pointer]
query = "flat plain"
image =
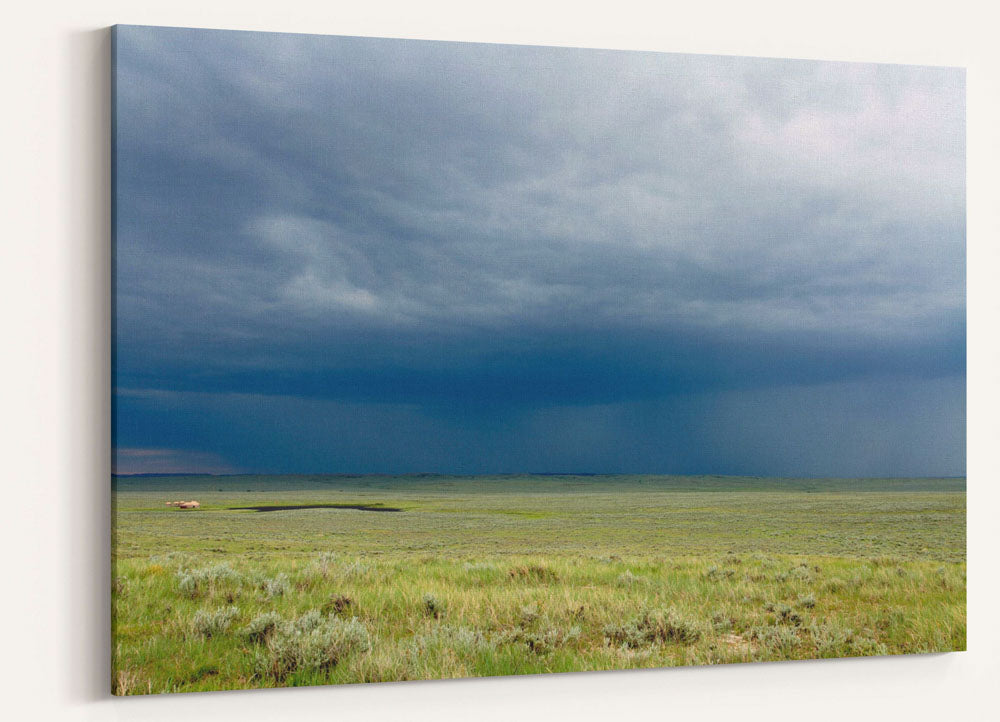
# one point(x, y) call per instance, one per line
point(297, 580)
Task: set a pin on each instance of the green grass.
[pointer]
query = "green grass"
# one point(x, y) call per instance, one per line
point(516, 575)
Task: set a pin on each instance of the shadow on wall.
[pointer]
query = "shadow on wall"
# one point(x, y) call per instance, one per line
point(87, 501)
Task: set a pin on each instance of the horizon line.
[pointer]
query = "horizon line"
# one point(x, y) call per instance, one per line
point(147, 474)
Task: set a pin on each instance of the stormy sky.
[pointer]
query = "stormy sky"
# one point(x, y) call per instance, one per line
point(358, 255)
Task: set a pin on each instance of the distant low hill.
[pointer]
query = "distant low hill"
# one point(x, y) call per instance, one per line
point(524, 483)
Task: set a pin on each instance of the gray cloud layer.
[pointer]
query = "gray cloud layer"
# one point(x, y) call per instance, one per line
point(403, 221)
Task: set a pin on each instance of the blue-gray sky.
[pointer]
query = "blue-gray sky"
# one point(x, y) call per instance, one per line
point(366, 255)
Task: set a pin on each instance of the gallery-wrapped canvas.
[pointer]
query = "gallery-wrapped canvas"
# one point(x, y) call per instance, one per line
point(437, 359)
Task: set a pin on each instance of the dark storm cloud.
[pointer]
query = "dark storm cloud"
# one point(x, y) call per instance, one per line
point(450, 227)
point(876, 427)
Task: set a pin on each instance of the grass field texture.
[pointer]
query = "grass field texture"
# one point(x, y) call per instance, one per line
point(450, 577)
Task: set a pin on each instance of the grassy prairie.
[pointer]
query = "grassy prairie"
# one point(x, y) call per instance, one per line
point(514, 575)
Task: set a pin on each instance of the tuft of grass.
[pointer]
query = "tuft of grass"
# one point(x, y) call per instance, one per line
point(337, 604)
point(433, 606)
point(125, 682)
point(192, 582)
point(835, 640)
point(213, 622)
point(722, 623)
point(807, 601)
point(533, 573)
point(482, 573)
point(310, 643)
point(541, 641)
point(628, 580)
point(529, 614)
point(462, 641)
point(779, 641)
point(652, 627)
point(717, 573)
point(784, 614)
point(356, 570)
point(276, 587)
point(261, 626)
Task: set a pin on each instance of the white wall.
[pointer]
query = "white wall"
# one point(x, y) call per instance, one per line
point(54, 281)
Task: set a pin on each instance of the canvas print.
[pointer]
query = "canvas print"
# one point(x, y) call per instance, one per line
point(439, 359)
